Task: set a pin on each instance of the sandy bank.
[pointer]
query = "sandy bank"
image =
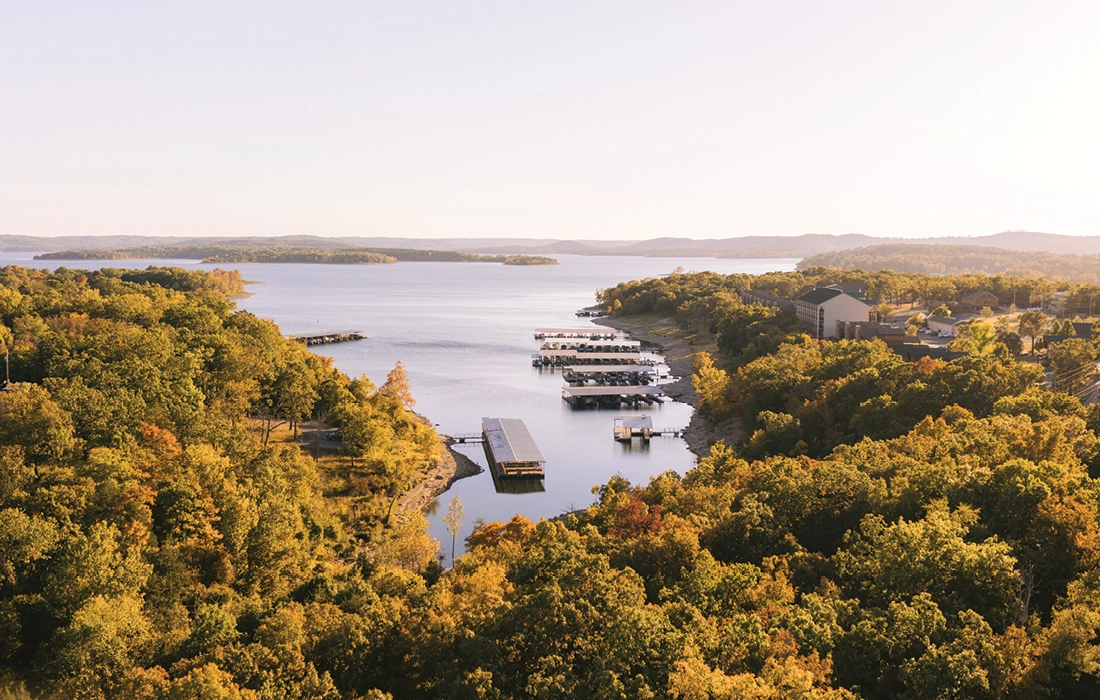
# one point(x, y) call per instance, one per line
point(452, 466)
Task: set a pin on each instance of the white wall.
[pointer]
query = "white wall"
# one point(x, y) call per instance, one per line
point(844, 308)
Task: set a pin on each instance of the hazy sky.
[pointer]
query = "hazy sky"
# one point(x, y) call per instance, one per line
point(549, 119)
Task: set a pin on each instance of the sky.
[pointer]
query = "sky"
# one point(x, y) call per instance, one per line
point(604, 120)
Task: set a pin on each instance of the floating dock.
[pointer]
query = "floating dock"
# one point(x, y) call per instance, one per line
point(612, 375)
point(613, 396)
point(592, 333)
point(510, 448)
point(629, 427)
point(326, 337)
point(568, 351)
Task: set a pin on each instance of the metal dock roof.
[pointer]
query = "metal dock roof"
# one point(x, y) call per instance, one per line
point(510, 441)
point(321, 334)
point(612, 391)
point(636, 422)
point(568, 343)
point(602, 330)
point(604, 369)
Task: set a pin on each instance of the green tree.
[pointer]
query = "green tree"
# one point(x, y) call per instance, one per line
point(29, 417)
point(1032, 325)
point(1074, 365)
point(712, 385)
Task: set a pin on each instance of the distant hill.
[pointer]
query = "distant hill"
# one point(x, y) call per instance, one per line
point(944, 259)
point(739, 247)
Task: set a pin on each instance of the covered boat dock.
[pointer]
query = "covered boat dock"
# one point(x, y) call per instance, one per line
point(591, 333)
point(326, 337)
point(612, 396)
point(609, 374)
point(510, 448)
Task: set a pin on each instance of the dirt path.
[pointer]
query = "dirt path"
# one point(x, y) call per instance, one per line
point(679, 355)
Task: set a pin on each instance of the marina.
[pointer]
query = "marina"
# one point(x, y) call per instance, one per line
point(611, 396)
point(584, 352)
point(592, 333)
point(326, 337)
point(511, 450)
point(613, 375)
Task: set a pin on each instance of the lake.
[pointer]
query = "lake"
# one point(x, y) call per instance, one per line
point(464, 332)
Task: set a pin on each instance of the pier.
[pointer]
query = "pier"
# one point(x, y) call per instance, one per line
point(611, 396)
point(611, 375)
point(326, 337)
point(629, 427)
point(510, 448)
point(593, 333)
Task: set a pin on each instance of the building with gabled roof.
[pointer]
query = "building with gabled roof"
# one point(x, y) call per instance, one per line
point(979, 300)
point(822, 308)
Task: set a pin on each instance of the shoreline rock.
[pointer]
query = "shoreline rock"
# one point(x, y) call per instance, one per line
point(452, 466)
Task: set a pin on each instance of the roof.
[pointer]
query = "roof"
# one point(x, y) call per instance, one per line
point(510, 440)
point(636, 422)
point(820, 295)
point(823, 294)
point(612, 391)
point(607, 369)
point(320, 334)
point(974, 296)
point(947, 320)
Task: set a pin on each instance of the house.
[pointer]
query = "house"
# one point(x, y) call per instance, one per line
point(821, 309)
point(976, 301)
point(759, 296)
point(858, 330)
point(944, 324)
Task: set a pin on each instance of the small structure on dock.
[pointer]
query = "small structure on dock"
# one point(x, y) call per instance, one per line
point(629, 427)
point(591, 333)
point(510, 448)
point(626, 427)
point(326, 337)
point(611, 396)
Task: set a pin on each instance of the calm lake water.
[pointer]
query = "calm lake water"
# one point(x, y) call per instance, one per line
point(464, 332)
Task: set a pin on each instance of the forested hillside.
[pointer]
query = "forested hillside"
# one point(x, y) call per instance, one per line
point(914, 531)
point(960, 260)
point(230, 253)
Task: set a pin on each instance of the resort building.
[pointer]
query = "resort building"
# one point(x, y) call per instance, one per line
point(822, 309)
point(860, 330)
point(976, 301)
point(759, 296)
point(946, 325)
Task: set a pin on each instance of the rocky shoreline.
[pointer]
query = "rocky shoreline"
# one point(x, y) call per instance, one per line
point(451, 467)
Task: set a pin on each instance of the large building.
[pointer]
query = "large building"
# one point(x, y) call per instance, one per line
point(976, 301)
point(821, 309)
point(759, 296)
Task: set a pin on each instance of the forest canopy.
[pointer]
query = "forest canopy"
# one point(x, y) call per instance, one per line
point(224, 253)
point(942, 259)
point(886, 530)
